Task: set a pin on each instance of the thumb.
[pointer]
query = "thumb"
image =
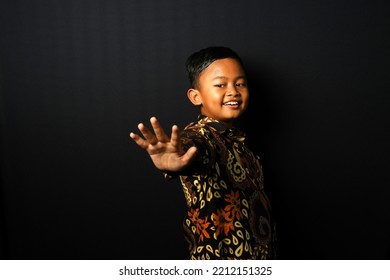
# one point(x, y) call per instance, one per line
point(189, 155)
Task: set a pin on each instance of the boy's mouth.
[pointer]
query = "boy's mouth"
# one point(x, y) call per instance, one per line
point(231, 103)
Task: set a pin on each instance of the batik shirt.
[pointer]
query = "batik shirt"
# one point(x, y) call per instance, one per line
point(229, 214)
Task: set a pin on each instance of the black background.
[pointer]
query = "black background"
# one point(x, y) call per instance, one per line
point(77, 76)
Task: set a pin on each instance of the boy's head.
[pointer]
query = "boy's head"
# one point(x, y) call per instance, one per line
point(219, 85)
point(200, 60)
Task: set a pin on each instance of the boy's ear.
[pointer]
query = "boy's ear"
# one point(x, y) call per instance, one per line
point(194, 96)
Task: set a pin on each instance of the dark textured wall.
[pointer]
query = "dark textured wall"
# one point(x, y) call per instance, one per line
point(77, 76)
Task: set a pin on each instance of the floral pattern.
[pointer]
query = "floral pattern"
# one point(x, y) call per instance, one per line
point(229, 215)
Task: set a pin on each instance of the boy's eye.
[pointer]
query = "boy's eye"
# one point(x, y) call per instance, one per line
point(220, 85)
point(240, 85)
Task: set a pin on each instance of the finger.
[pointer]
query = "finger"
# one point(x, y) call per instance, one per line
point(158, 130)
point(189, 155)
point(138, 140)
point(175, 136)
point(149, 136)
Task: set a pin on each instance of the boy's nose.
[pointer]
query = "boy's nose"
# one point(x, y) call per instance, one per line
point(233, 91)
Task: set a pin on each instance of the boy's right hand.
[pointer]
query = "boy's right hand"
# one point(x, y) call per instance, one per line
point(166, 153)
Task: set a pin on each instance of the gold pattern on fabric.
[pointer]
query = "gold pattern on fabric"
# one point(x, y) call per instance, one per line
point(229, 215)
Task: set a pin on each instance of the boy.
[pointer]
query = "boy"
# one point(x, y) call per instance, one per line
point(229, 214)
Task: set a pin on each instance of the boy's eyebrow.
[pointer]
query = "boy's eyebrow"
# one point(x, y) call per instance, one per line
point(223, 77)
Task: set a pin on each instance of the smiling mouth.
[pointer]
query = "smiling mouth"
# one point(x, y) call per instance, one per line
point(231, 103)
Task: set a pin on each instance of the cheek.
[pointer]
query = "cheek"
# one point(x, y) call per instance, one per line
point(246, 101)
point(215, 96)
point(245, 96)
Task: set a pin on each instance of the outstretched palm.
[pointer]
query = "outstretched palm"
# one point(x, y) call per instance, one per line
point(166, 153)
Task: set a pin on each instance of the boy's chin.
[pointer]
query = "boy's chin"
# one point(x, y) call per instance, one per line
point(235, 115)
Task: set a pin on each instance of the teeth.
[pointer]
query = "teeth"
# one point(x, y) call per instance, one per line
point(231, 103)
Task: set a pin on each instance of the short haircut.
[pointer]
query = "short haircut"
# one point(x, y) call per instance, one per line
point(200, 60)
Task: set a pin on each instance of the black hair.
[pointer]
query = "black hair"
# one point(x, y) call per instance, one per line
point(200, 60)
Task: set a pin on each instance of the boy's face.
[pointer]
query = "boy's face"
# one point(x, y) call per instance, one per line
point(223, 93)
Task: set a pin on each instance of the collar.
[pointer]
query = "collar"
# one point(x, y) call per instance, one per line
point(233, 133)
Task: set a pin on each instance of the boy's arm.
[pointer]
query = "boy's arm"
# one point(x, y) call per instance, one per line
point(166, 153)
